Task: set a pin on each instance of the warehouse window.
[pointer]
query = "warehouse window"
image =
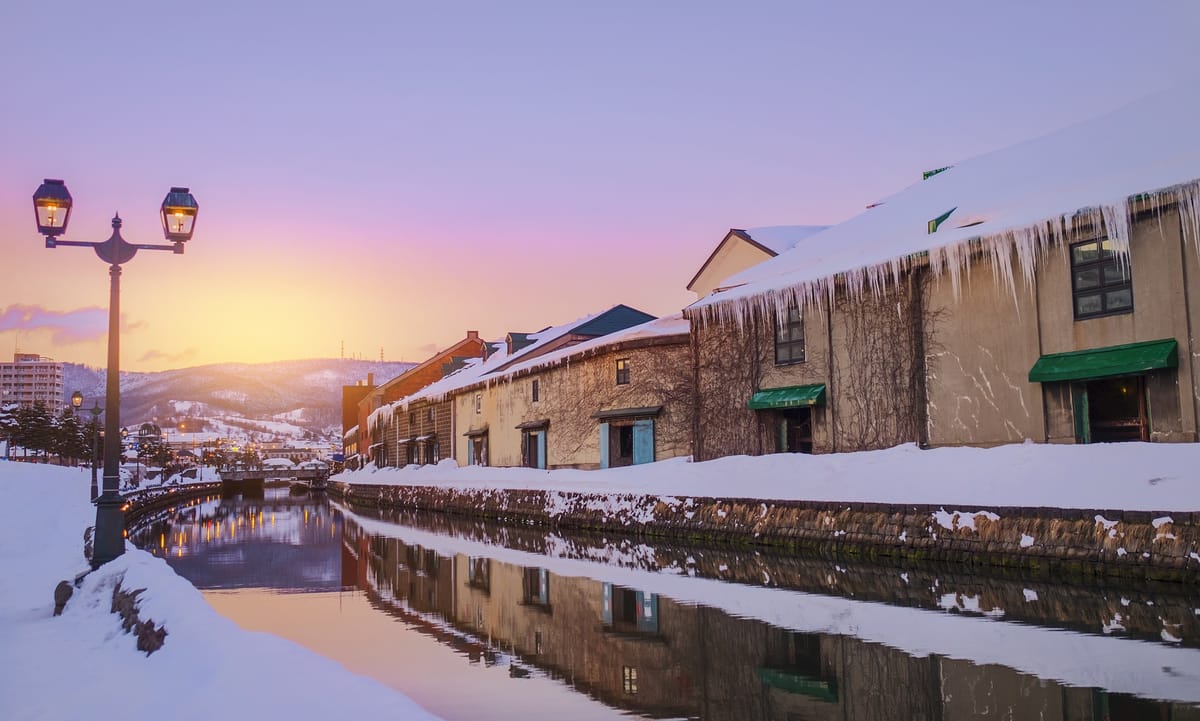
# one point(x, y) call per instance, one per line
point(1100, 280)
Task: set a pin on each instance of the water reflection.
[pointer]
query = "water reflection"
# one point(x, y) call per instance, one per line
point(669, 645)
point(277, 541)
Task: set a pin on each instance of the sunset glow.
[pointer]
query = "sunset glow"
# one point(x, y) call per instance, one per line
point(386, 187)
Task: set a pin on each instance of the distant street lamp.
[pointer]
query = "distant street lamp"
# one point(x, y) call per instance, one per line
point(52, 205)
point(95, 410)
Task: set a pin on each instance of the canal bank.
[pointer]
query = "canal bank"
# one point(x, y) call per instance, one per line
point(1128, 511)
point(1079, 542)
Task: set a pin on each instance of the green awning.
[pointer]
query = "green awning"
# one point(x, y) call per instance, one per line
point(790, 397)
point(1116, 360)
point(799, 683)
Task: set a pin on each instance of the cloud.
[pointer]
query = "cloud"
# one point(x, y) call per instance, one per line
point(65, 326)
point(428, 349)
point(71, 326)
point(157, 355)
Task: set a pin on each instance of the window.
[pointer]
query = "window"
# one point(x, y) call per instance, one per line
point(412, 419)
point(535, 587)
point(431, 414)
point(789, 339)
point(478, 403)
point(629, 679)
point(534, 390)
point(1100, 280)
point(479, 573)
point(623, 371)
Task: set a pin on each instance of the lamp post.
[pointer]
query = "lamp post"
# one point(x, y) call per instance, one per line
point(52, 205)
point(95, 410)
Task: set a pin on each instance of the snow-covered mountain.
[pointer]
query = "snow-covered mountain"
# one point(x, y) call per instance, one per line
point(283, 400)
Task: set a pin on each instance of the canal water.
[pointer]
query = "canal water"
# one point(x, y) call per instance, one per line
point(478, 621)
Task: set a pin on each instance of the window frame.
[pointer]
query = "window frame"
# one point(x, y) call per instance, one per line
point(535, 390)
point(1103, 288)
point(629, 680)
point(622, 371)
point(793, 320)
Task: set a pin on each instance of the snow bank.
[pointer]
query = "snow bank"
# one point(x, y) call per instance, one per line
point(70, 666)
point(1126, 476)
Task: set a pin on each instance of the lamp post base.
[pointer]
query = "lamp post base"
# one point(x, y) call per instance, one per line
point(110, 529)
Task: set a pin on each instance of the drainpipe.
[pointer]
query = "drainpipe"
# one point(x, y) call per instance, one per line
point(1187, 309)
point(832, 395)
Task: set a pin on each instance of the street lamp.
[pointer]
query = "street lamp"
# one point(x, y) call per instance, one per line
point(95, 410)
point(52, 205)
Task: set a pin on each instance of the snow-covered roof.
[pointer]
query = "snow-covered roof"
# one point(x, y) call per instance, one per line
point(478, 370)
point(1025, 197)
point(671, 325)
point(782, 238)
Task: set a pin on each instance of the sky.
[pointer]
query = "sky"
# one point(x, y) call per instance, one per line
point(381, 177)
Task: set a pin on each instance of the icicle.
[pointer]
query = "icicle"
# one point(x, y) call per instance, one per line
point(1188, 197)
point(1031, 244)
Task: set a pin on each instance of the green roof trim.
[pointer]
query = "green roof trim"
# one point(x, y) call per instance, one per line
point(790, 397)
point(799, 683)
point(1116, 360)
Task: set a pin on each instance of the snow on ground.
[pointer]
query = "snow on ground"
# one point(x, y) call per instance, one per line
point(1118, 664)
point(82, 666)
point(1126, 476)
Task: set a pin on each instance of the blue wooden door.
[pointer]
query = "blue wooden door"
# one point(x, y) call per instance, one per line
point(647, 613)
point(643, 441)
point(604, 445)
point(541, 449)
point(606, 613)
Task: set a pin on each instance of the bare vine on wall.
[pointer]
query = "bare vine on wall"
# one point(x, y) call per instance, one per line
point(726, 375)
point(872, 351)
point(570, 394)
point(883, 341)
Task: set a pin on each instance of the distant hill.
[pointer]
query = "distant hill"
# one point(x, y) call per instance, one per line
point(300, 398)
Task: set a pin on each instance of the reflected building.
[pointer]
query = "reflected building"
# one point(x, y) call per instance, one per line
point(651, 656)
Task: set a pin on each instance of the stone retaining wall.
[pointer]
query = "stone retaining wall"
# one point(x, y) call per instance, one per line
point(1131, 544)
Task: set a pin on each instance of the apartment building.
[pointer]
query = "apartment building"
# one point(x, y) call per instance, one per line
point(31, 378)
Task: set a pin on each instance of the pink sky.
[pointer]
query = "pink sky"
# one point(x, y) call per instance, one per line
point(393, 174)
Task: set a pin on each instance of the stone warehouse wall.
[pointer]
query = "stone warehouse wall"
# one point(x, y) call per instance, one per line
point(1132, 544)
